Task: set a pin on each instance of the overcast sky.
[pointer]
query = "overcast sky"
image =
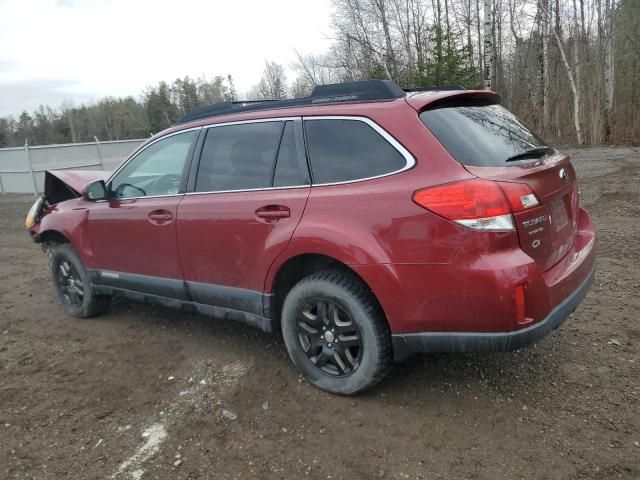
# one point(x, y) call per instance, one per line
point(80, 50)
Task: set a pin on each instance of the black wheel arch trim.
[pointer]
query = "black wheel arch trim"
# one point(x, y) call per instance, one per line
point(407, 344)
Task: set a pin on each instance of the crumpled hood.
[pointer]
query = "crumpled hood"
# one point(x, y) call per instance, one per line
point(60, 185)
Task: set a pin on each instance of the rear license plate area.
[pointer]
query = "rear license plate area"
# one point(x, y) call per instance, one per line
point(559, 217)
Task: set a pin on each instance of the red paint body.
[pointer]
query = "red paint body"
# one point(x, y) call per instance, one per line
point(428, 273)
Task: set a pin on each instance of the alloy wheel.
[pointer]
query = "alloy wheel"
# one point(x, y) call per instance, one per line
point(329, 337)
point(70, 284)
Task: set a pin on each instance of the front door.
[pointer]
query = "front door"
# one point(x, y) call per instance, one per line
point(132, 235)
point(248, 197)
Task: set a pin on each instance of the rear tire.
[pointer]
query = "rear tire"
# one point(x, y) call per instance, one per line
point(72, 284)
point(336, 333)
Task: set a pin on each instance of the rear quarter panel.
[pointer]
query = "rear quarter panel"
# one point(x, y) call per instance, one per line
point(376, 222)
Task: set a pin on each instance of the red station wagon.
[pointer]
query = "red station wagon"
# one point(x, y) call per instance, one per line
point(363, 222)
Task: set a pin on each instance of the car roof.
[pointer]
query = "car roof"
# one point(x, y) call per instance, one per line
point(362, 98)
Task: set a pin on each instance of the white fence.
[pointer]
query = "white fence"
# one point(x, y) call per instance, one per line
point(22, 168)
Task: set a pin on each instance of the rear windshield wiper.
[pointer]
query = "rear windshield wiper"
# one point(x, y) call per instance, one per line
point(536, 152)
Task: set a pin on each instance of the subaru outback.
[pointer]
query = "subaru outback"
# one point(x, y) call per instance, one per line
point(364, 223)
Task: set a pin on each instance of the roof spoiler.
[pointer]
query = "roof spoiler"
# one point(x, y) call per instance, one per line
point(444, 99)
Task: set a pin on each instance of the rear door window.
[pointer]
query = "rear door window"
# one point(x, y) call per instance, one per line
point(238, 157)
point(484, 135)
point(250, 156)
point(342, 150)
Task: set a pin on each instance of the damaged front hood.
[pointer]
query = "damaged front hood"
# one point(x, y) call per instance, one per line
point(60, 185)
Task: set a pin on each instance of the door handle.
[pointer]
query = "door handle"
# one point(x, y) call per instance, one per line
point(160, 217)
point(273, 213)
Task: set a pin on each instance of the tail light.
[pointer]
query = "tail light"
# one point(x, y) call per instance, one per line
point(478, 204)
point(520, 196)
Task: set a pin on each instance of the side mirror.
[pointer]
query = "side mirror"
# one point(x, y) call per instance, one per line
point(95, 191)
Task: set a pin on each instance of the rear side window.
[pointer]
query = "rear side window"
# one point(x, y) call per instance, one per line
point(346, 150)
point(483, 135)
point(239, 157)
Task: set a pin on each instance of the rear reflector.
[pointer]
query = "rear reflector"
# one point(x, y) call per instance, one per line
point(520, 306)
point(477, 203)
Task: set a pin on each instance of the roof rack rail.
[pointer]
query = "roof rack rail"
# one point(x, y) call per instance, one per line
point(432, 88)
point(360, 91)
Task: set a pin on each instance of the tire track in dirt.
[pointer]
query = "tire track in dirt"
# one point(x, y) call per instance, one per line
point(205, 384)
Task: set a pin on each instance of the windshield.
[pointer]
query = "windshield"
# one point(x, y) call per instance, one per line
point(484, 135)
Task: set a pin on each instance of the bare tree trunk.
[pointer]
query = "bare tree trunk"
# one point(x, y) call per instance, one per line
point(518, 77)
point(72, 127)
point(417, 24)
point(574, 89)
point(577, 41)
point(497, 46)
point(468, 25)
point(390, 56)
point(536, 91)
point(609, 66)
point(480, 49)
point(545, 64)
point(446, 21)
point(403, 18)
point(488, 45)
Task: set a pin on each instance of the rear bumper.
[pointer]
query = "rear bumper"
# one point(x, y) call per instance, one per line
point(406, 344)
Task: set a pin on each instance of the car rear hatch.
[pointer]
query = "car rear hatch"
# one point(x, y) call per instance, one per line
point(492, 144)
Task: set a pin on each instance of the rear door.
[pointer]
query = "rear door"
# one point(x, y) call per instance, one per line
point(248, 192)
point(493, 144)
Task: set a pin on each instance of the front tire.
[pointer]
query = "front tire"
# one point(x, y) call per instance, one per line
point(72, 284)
point(335, 332)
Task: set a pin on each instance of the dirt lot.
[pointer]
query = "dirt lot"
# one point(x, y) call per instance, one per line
point(143, 392)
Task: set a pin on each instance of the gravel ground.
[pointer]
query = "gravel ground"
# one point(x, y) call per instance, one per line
point(145, 392)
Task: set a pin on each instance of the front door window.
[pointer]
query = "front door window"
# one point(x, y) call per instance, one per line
point(155, 171)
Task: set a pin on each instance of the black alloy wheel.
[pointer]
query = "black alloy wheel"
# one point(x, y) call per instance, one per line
point(71, 284)
point(336, 333)
point(329, 337)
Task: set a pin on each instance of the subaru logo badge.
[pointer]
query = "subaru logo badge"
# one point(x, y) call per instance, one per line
point(564, 175)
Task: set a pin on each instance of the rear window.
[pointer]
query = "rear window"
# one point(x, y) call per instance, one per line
point(346, 150)
point(483, 135)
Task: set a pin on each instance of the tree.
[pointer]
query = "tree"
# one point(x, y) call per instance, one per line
point(568, 68)
point(160, 112)
point(301, 88)
point(609, 67)
point(315, 69)
point(273, 84)
point(488, 45)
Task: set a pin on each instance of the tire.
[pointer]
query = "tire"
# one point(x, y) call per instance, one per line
point(72, 284)
point(312, 331)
